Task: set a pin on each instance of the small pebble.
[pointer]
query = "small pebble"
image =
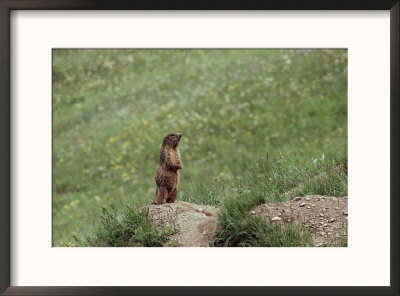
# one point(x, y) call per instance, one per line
point(297, 198)
point(324, 225)
point(302, 204)
point(307, 198)
point(322, 233)
point(313, 205)
point(308, 207)
point(253, 212)
point(321, 215)
point(345, 213)
point(337, 208)
point(276, 219)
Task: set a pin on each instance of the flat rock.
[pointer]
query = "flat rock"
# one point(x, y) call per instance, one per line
point(195, 224)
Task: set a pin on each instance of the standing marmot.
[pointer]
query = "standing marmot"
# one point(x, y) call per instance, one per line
point(167, 176)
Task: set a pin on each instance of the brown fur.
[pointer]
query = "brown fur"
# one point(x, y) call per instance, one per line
point(167, 176)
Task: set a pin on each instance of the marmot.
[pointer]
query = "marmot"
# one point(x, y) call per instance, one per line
point(167, 176)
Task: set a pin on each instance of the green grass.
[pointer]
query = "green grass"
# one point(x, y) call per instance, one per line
point(112, 108)
point(276, 180)
point(270, 181)
point(126, 227)
point(252, 231)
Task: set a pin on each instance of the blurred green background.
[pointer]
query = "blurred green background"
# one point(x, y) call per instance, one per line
point(112, 109)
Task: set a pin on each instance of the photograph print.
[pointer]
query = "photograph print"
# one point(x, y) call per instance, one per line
point(199, 148)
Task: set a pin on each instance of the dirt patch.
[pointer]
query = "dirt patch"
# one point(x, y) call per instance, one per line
point(324, 216)
point(195, 224)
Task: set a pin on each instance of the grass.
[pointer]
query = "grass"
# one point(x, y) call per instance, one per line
point(126, 227)
point(112, 108)
point(276, 181)
point(252, 231)
point(270, 181)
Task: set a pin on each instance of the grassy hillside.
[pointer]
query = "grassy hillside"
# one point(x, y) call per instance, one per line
point(235, 109)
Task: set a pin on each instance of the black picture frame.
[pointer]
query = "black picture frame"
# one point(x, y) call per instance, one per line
point(7, 6)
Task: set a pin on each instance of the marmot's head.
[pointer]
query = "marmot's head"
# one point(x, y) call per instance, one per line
point(172, 140)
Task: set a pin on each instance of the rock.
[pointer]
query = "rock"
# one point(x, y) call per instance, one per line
point(297, 198)
point(302, 204)
point(253, 212)
point(308, 207)
point(194, 227)
point(307, 198)
point(276, 219)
